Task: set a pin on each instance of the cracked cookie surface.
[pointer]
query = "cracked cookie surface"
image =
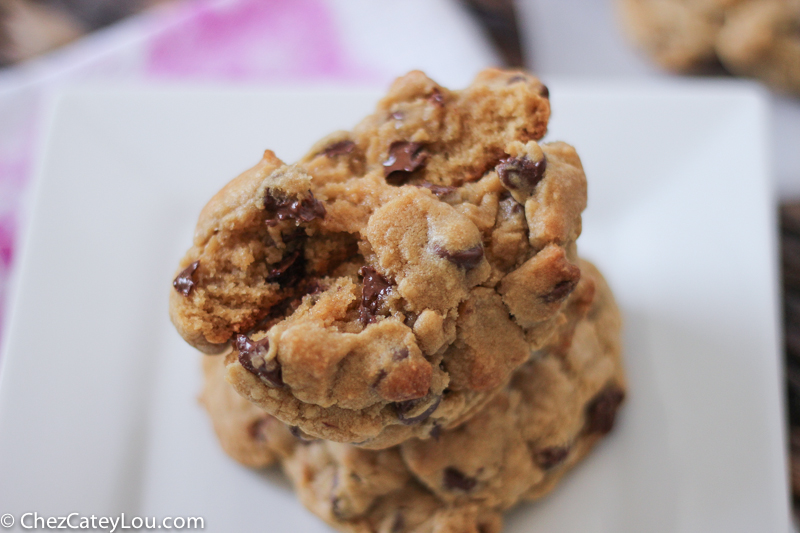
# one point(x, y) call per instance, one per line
point(554, 410)
point(388, 284)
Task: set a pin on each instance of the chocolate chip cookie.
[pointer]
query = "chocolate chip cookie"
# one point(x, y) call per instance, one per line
point(762, 39)
point(388, 284)
point(554, 410)
point(556, 407)
point(376, 491)
point(245, 432)
point(758, 38)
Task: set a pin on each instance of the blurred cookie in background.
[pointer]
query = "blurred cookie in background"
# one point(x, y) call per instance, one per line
point(29, 28)
point(753, 38)
point(762, 39)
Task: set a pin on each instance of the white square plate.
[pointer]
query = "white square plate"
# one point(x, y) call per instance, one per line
point(97, 400)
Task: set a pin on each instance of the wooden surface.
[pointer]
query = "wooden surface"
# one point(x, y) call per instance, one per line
point(790, 263)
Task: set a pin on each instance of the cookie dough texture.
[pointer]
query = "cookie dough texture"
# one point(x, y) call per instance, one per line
point(554, 410)
point(757, 38)
point(388, 284)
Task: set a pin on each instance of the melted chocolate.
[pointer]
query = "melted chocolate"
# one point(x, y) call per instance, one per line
point(399, 524)
point(259, 429)
point(436, 98)
point(299, 435)
point(381, 375)
point(468, 259)
point(403, 408)
point(561, 290)
point(400, 354)
point(290, 270)
point(521, 174)
point(184, 282)
point(290, 208)
point(552, 456)
point(340, 148)
point(252, 357)
point(336, 508)
point(602, 410)
point(454, 479)
point(404, 158)
point(544, 92)
point(375, 289)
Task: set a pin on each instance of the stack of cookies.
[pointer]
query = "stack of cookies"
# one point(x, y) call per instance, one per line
point(401, 318)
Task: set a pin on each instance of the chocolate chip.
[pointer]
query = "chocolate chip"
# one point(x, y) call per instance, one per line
point(404, 158)
point(436, 98)
point(184, 282)
point(259, 429)
point(403, 408)
point(521, 174)
point(381, 375)
point(299, 435)
point(252, 356)
point(336, 508)
point(340, 148)
point(400, 354)
point(313, 287)
point(561, 290)
point(290, 270)
point(375, 289)
point(509, 208)
point(297, 235)
point(454, 479)
point(550, 457)
point(602, 410)
point(438, 190)
point(468, 259)
point(544, 92)
point(399, 524)
point(291, 208)
point(308, 209)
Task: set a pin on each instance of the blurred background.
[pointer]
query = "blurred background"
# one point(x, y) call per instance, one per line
point(45, 44)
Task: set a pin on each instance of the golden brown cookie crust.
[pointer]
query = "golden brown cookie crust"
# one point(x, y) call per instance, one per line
point(552, 413)
point(344, 288)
